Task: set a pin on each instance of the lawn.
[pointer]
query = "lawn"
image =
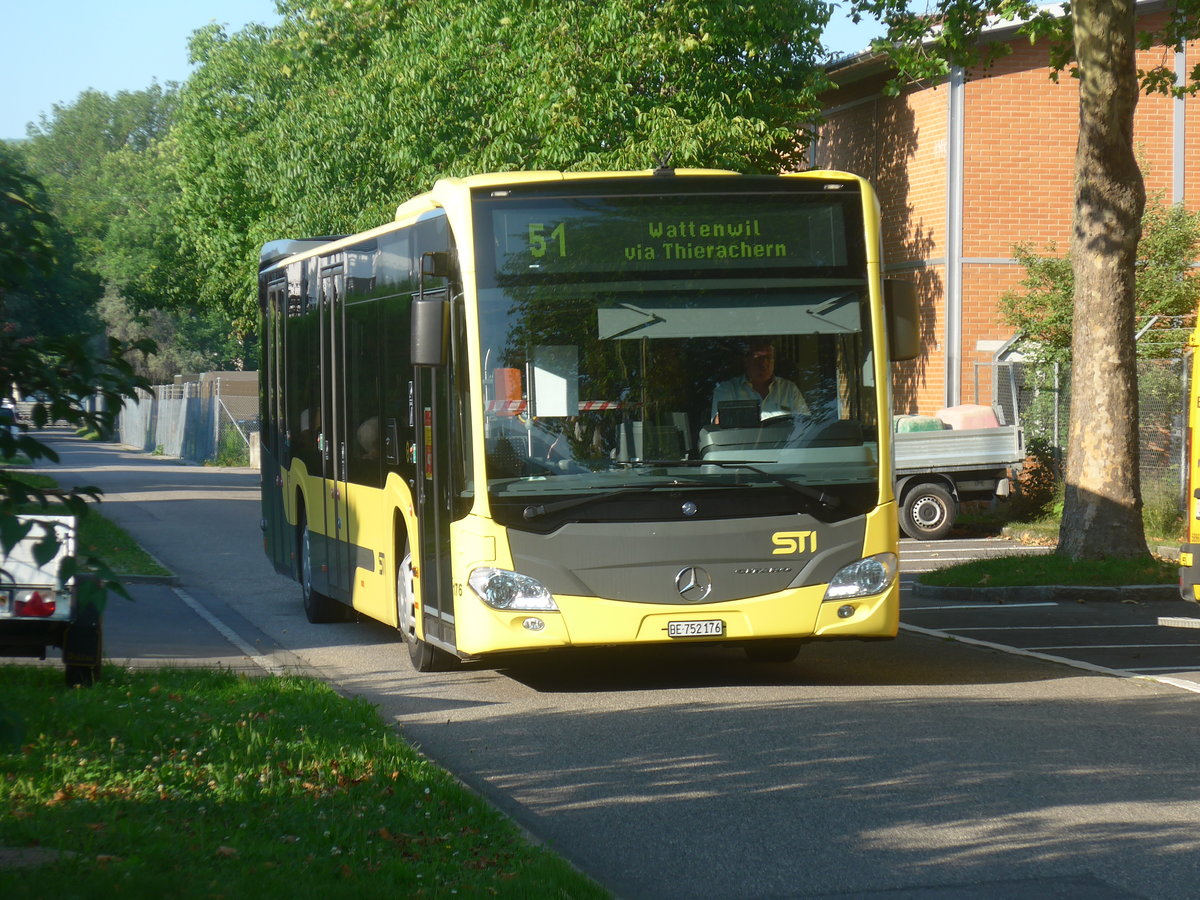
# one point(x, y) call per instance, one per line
point(207, 784)
point(1048, 569)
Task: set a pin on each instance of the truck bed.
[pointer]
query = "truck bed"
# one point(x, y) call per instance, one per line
point(959, 451)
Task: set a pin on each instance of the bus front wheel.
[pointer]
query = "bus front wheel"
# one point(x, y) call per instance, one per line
point(424, 656)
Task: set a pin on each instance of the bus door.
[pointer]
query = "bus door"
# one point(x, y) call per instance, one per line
point(334, 431)
point(431, 557)
point(272, 446)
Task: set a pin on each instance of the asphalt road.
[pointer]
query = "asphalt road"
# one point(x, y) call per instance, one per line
point(923, 767)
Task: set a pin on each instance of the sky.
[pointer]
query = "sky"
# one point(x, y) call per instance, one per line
point(52, 54)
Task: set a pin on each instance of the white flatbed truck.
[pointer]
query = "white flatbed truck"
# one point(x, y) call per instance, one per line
point(937, 470)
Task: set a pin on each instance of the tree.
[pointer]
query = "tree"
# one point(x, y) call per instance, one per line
point(62, 369)
point(70, 152)
point(111, 174)
point(1097, 39)
point(324, 123)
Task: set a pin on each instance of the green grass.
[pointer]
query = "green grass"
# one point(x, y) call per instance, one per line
point(206, 784)
point(98, 536)
point(1044, 569)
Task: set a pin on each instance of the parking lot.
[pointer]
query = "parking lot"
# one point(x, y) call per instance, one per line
point(1115, 633)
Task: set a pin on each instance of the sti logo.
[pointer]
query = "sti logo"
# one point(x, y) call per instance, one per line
point(788, 543)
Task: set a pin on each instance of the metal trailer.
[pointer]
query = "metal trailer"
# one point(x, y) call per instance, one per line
point(39, 610)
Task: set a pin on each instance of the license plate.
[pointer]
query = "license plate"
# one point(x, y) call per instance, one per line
point(706, 628)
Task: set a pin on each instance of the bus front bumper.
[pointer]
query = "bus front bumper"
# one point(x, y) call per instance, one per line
point(799, 614)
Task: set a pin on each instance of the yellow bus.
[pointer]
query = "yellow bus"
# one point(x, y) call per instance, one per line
point(531, 413)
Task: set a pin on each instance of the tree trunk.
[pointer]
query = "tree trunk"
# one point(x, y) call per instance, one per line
point(1102, 512)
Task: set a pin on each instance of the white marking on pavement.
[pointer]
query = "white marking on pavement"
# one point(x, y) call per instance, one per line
point(1192, 686)
point(1111, 647)
point(1047, 627)
point(975, 606)
point(228, 633)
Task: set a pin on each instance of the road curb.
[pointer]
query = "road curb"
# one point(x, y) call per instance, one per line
point(147, 579)
point(1135, 593)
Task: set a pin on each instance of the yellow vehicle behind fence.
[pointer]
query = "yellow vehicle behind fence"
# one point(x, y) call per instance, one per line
point(522, 416)
point(1189, 573)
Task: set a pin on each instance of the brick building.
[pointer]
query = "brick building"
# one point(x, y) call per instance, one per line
point(969, 167)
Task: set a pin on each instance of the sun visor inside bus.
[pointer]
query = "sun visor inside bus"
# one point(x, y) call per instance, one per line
point(808, 312)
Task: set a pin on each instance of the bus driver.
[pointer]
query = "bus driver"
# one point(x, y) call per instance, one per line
point(775, 396)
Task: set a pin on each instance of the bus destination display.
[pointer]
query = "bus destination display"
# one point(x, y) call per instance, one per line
point(597, 237)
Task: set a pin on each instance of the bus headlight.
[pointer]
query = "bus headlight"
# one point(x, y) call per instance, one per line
point(501, 589)
point(862, 578)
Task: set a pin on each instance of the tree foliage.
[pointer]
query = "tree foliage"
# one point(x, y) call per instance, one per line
point(63, 370)
point(71, 151)
point(112, 180)
point(1043, 309)
point(323, 123)
point(38, 300)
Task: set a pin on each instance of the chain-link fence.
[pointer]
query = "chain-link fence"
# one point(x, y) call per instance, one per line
point(1038, 397)
point(212, 419)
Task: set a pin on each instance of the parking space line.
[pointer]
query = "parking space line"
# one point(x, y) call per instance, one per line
point(1048, 627)
point(905, 609)
point(1112, 646)
point(1191, 686)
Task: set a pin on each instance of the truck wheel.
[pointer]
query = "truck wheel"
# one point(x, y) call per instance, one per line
point(83, 643)
point(82, 676)
point(928, 512)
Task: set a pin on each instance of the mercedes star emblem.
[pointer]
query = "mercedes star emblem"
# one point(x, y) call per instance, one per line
point(693, 583)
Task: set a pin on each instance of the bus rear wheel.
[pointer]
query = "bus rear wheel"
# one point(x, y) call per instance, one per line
point(318, 608)
point(424, 656)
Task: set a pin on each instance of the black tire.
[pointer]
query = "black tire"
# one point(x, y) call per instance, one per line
point(83, 640)
point(928, 513)
point(318, 608)
point(82, 676)
point(782, 651)
point(424, 656)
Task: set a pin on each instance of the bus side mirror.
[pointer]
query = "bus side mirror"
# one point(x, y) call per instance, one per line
point(430, 332)
point(903, 313)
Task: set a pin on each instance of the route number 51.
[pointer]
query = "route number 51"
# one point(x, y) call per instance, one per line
point(539, 243)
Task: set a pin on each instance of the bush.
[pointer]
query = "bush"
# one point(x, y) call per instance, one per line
point(1037, 484)
point(1161, 512)
point(232, 450)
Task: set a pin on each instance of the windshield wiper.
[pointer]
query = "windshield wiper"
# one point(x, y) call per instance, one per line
point(827, 500)
point(544, 509)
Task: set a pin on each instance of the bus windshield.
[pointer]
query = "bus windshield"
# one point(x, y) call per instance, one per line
point(713, 335)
